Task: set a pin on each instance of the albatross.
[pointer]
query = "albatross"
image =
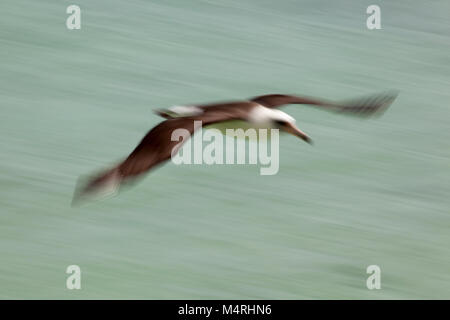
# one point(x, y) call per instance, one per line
point(260, 112)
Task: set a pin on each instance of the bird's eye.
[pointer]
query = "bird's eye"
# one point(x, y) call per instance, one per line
point(279, 123)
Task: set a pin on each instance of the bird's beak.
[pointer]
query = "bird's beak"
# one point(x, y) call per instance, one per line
point(292, 129)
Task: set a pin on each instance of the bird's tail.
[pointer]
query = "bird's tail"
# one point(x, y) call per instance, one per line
point(366, 106)
point(103, 185)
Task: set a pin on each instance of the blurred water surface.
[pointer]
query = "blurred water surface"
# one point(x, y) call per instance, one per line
point(368, 192)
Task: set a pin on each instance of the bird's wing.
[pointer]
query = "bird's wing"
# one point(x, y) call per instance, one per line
point(233, 107)
point(365, 106)
point(277, 100)
point(154, 149)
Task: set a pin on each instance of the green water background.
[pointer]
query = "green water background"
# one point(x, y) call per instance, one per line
point(368, 192)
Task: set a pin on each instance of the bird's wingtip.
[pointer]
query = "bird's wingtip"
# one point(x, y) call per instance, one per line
point(99, 187)
point(367, 106)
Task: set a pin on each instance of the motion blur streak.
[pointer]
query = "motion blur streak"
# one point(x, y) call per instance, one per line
point(369, 192)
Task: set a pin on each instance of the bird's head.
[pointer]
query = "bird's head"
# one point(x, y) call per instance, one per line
point(286, 123)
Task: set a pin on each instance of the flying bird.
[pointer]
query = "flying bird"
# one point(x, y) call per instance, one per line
point(156, 146)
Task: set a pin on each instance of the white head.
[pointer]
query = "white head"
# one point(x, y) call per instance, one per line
point(263, 115)
point(277, 119)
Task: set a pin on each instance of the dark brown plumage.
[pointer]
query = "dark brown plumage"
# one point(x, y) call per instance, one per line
point(156, 146)
point(362, 107)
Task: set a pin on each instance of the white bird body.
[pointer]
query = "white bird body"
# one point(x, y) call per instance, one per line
point(260, 119)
